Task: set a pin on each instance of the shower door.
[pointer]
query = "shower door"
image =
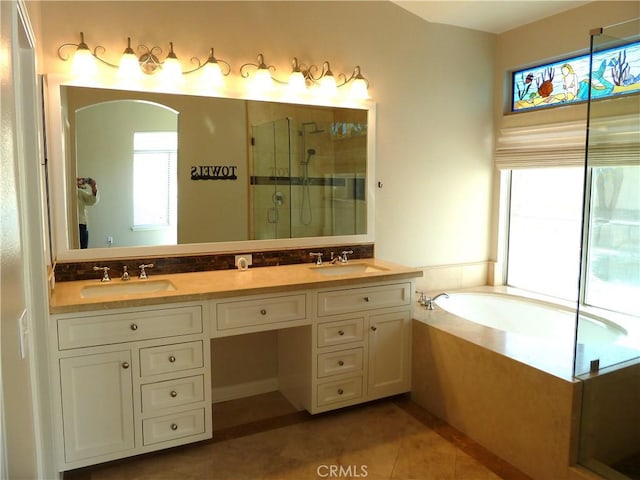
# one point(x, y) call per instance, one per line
point(610, 368)
point(270, 180)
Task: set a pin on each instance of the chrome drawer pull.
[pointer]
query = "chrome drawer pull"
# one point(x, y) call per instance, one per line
point(340, 391)
point(340, 332)
point(373, 328)
point(133, 327)
point(125, 365)
point(340, 362)
point(174, 394)
point(263, 312)
point(174, 426)
point(366, 299)
point(172, 359)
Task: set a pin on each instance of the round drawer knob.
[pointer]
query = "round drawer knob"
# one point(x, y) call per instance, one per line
point(125, 365)
point(174, 426)
point(174, 394)
point(340, 391)
point(133, 327)
point(373, 328)
point(172, 359)
point(263, 312)
point(340, 362)
point(340, 332)
point(366, 299)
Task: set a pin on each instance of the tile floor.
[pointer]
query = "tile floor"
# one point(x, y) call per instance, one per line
point(264, 439)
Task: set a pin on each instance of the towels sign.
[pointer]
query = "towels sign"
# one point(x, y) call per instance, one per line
point(214, 172)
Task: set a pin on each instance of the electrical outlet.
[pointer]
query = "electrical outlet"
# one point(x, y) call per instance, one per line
point(109, 240)
point(247, 257)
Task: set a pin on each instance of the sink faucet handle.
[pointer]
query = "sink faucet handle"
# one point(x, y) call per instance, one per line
point(423, 298)
point(105, 273)
point(143, 272)
point(125, 273)
point(318, 257)
point(344, 258)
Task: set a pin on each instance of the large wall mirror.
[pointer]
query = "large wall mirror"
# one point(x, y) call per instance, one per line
point(183, 174)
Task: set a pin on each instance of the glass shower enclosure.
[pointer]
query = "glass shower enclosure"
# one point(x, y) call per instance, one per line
point(609, 441)
point(307, 179)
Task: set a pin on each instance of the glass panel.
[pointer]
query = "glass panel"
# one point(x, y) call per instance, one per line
point(270, 180)
point(308, 179)
point(609, 365)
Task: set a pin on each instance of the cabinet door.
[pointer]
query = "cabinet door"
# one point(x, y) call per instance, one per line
point(389, 354)
point(97, 404)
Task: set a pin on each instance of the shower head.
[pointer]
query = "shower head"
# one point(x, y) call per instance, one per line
point(314, 126)
point(311, 152)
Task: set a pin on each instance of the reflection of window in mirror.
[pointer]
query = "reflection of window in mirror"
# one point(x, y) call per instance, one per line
point(155, 183)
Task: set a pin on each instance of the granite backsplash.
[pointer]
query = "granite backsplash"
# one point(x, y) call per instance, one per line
point(70, 271)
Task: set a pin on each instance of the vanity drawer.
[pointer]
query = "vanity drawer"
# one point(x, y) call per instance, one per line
point(170, 427)
point(337, 333)
point(246, 313)
point(128, 327)
point(339, 391)
point(171, 358)
point(336, 363)
point(366, 298)
point(172, 393)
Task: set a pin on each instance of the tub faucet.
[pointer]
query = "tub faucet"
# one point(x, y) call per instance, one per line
point(429, 301)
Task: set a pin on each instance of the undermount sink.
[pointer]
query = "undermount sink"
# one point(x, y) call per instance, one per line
point(347, 269)
point(127, 288)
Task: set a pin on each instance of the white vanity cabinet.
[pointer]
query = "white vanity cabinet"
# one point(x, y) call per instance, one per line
point(361, 344)
point(130, 381)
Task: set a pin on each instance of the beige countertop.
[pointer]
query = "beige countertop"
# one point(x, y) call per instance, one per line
point(69, 297)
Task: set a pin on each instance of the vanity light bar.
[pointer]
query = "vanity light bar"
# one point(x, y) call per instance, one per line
point(303, 78)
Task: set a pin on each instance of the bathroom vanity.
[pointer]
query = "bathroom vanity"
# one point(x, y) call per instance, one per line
point(131, 361)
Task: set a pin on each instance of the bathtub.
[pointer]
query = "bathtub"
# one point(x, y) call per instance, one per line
point(530, 318)
point(500, 368)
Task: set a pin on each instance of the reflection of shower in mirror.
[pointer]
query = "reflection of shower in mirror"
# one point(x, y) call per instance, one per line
point(310, 153)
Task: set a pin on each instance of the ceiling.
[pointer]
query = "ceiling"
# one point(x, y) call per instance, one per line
point(488, 16)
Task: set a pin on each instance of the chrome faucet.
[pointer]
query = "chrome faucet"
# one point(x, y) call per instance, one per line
point(125, 274)
point(143, 273)
point(429, 301)
point(318, 256)
point(343, 257)
point(105, 273)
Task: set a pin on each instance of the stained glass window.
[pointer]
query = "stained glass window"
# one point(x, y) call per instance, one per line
point(616, 71)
